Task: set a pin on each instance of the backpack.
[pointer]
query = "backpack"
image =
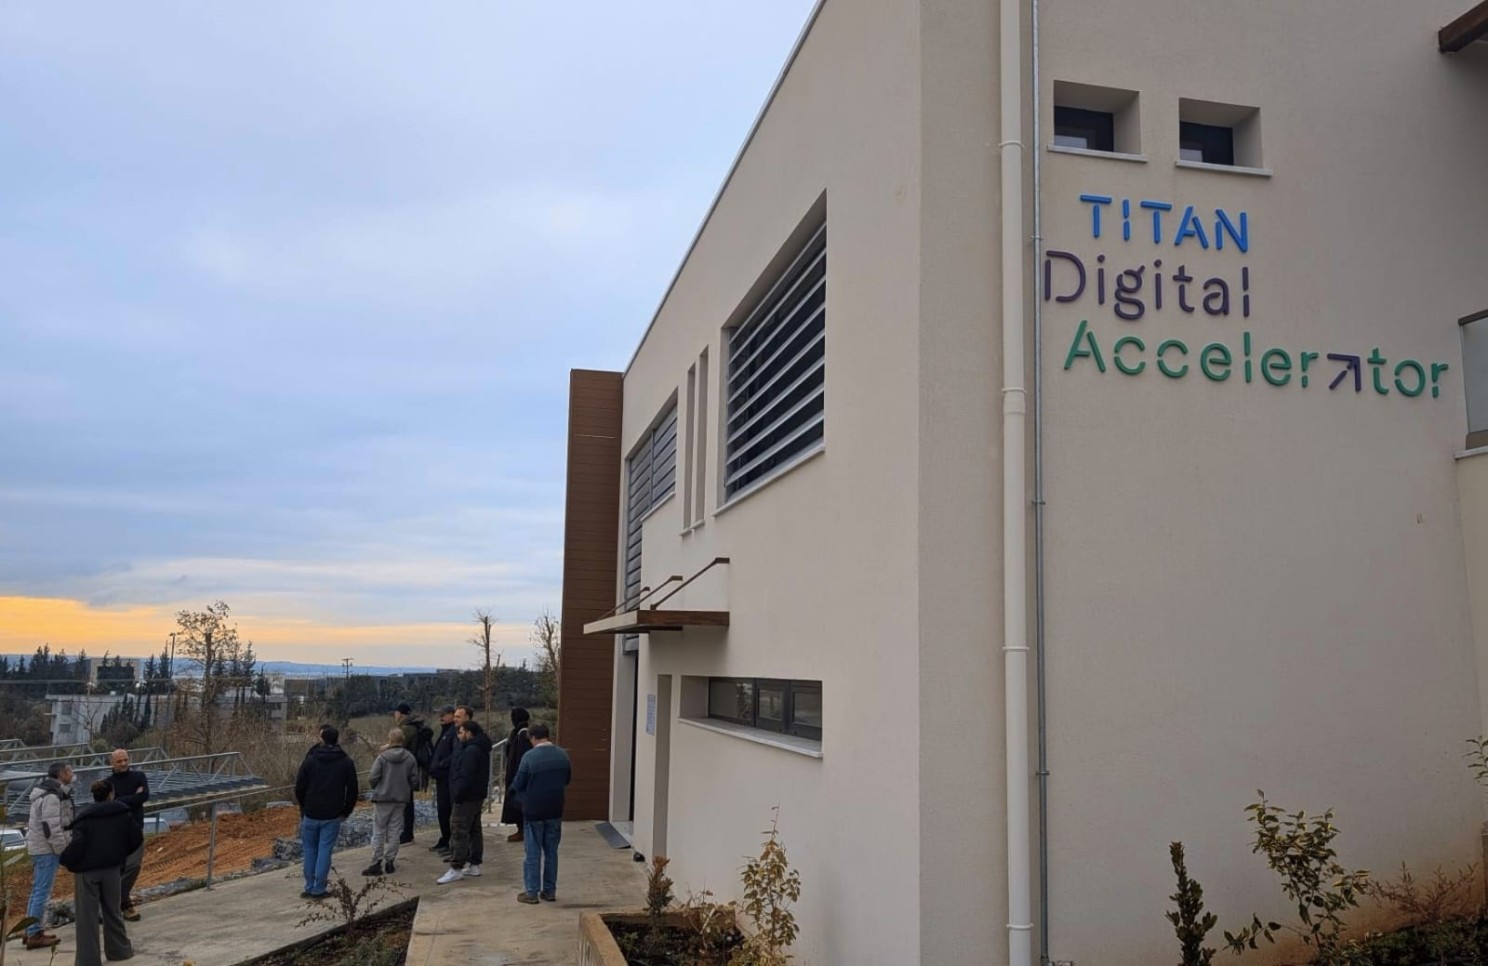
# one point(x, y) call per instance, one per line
point(423, 753)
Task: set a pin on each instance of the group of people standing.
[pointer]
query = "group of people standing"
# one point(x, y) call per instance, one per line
point(458, 762)
point(101, 842)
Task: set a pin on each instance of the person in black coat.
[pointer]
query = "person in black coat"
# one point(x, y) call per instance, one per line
point(133, 789)
point(470, 778)
point(103, 837)
point(439, 770)
point(517, 745)
point(326, 789)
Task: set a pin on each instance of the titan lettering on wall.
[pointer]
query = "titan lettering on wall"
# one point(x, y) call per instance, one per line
point(1171, 289)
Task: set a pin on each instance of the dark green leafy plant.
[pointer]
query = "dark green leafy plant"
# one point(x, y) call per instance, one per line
point(1190, 921)
point(1300, 850)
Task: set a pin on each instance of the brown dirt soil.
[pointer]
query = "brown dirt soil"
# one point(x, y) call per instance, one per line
point(182, 852)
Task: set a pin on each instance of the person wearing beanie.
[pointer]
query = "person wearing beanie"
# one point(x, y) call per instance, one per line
point(517, 745)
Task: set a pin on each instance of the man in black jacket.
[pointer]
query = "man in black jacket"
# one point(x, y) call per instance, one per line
point(103, 836)
point(439, 770)
point(326, 791)
point(470, 777)
point(133, 789)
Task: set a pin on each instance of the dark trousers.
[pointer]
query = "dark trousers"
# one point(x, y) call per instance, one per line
point(131, 876)
point(467, 842)
point(444, 805)
point(96, 895)
point(407, 835)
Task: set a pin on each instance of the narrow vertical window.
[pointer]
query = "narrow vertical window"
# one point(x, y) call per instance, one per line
point(689, 457)
point(700, 491)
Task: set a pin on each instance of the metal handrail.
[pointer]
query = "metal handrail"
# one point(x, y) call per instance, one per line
point(713, 563)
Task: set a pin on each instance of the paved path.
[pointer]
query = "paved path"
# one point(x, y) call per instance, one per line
point(474, 922)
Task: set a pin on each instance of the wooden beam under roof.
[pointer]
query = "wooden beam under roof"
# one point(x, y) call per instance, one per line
point(646, 620)
point(1467, 28)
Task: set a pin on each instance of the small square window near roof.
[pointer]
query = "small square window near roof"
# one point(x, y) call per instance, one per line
point(1091, 118)
point(1075, 127)
point(1223, 134)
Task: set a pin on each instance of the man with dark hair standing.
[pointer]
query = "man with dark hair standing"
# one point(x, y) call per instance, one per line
point(470, 777)
point(133, 789)
point(541, 780)
point(439, 770)
point(103, 836)
point(326, 791)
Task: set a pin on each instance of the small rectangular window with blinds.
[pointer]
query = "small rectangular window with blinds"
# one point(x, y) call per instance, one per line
point(650, 477)
point(775, 385)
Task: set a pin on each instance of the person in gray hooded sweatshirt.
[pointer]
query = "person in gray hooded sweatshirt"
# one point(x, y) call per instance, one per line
point(394, 776)
point(47, 835)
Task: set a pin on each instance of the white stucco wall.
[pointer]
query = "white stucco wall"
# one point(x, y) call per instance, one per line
point(1248, 586)
point(1254, 587)
point(822, 582)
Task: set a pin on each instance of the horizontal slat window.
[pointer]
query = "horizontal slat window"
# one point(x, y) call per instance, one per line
point(786, 707)
point(650, 477)
point(776, 387)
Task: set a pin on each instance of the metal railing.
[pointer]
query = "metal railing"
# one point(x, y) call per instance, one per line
point(172, 780)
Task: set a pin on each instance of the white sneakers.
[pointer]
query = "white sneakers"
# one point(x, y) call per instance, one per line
point(470, 871)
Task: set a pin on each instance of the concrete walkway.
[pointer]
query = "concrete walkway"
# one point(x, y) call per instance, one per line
point(475, 922)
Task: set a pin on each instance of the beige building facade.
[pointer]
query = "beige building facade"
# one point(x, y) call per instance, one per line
point(1251, 528)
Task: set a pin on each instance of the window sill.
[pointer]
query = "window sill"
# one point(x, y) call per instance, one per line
point(1223, 168)
point(1088, 153)
point(779, 474)
point(688, 531)
point(799, 746)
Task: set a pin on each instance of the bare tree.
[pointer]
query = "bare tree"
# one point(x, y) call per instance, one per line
point(547, 635)
point(490, 658)
point(209, 642)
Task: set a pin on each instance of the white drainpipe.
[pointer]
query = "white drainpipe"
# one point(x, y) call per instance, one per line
point(1014, 490)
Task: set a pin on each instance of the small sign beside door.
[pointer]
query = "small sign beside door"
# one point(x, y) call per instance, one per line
point(650, 714)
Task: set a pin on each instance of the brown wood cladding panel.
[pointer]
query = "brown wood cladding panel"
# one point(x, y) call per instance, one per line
point(591, 552)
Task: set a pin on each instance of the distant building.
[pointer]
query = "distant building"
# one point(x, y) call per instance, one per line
point(78, 718)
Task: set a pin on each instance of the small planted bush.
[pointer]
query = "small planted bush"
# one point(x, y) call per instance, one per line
point(1300, 850)
point(1189, 920)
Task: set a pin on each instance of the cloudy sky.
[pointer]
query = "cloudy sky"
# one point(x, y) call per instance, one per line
point(289, 293)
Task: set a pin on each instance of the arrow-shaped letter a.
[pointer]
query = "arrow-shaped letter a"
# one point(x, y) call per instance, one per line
point(1353, 362)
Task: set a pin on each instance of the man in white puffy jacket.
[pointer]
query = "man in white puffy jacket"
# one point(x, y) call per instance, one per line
point(46, 837)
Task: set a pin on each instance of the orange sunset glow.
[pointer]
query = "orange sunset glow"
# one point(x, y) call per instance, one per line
point(28, 622)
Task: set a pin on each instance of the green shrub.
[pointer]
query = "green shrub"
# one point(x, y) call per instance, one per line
point(1300, 850)
point(1190, 921)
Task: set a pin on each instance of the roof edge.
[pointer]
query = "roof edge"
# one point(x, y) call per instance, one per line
point(759, 119)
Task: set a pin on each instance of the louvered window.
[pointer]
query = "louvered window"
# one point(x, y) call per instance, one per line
point(776, 384)
point(650, 477)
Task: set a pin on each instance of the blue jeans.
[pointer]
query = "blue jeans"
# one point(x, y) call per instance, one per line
point(43, 875)
point(540, 846)
point(317, 839)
